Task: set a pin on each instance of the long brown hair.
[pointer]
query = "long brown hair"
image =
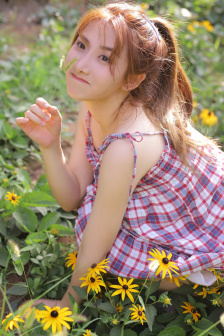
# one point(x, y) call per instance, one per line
point(166, 92)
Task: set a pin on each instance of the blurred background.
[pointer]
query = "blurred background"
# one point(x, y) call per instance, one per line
point(34, 34)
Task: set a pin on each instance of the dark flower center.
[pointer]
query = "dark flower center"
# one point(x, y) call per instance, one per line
point(93, 265)
point(139, 313)
point(209, 113)
point(13, 198)
point(165, 261)
point(54, 313)
point(194, 311)
point(92, 280)
point(125, 287)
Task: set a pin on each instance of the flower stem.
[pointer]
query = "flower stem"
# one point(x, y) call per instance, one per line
point(211, 327)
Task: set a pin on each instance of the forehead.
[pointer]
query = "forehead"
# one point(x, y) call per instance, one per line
point(100, 32)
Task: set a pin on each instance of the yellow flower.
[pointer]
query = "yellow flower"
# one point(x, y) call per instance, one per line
point(208, 117)
point(115, 321)
point(97, 268)
point(55, 317)
point(88, 333)
point(7, 91)
point(191, 28)
point(144, 6)
point(72, 257)
point(38, 315)
point(191, 310)
point(5, 180)
point(208, 290)
point(208, 25)
point(165, 264)
point(15, 172)
point(195, 104)
point(217, 274)
point(124, 288)
point(176, 279)
point(12, 197)
point(13, 322)
point(195, 286)
point(119, 308)
point(94, 283)
point(138, 313)
point(55, 232)
point(167, 301)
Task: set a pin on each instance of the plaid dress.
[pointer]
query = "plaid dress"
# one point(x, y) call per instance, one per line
point(171, 209)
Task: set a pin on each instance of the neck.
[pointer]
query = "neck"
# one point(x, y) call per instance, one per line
point(107, 114)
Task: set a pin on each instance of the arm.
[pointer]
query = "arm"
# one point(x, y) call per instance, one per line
point(109, 207)
point(67, 181)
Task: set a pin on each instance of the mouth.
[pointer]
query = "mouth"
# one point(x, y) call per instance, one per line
point(79, 79)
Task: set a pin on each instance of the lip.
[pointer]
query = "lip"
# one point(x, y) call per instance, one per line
point(79, 79)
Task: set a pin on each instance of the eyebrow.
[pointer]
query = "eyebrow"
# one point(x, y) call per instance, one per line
point(101, 47)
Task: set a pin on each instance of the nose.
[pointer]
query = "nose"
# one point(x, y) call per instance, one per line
point(83, 63)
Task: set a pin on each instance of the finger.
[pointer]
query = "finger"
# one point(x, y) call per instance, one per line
point(21, 121)
point(33, 117)
point(42, 103)
point(55, 114)
point(40, 112)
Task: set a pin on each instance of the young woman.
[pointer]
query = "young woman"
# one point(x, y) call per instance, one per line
point(140, 175)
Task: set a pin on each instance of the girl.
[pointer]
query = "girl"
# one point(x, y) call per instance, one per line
point(140, 175)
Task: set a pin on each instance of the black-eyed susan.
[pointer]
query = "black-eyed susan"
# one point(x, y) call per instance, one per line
point(207, 24)
point(119, 308)
point(208, 117)
point(207, 290)
point(165, 265)
point(124, 288)
point(218, 275)
point(176, 279)
point(13, 322)
point(55, 317)
point(191, 310)
point(12, 197)
point(72, 257)
point(93, 282)
point(97, 268)
point(138, 313)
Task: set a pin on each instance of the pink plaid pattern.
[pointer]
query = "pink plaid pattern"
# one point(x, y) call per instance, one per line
point(171, 209)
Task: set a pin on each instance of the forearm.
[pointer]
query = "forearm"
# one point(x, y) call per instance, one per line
point(63, 184)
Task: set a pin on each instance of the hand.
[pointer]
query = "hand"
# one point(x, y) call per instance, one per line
point(49, 303)
point(42, 123)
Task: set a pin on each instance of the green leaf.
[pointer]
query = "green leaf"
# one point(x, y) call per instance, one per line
point(4, 254)
point(18, 267)
point(116, 331)
point(2, 227)
point(18, 289)
point(129, 332)
point(63, 231)
point(49, 219)
point(107, 307)
point(204, 324)
point(25, 257)
point(191, 300)
point(80, 292)
point(19, 142)
point(165, 318)
point(39, 198)
point(150, 314)
point(24, 177)
point(36, 237)
point(9, 131)
point(153, 288)
point(184, 289)
point(26, 219)
point(172, 331)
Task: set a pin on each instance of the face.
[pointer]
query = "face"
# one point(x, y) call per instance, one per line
point(90, 78)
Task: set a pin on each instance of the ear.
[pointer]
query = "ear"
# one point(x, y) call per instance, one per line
point(134, 82)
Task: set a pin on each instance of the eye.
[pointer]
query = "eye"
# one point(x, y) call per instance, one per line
point(80, 45)
point(104, 58)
